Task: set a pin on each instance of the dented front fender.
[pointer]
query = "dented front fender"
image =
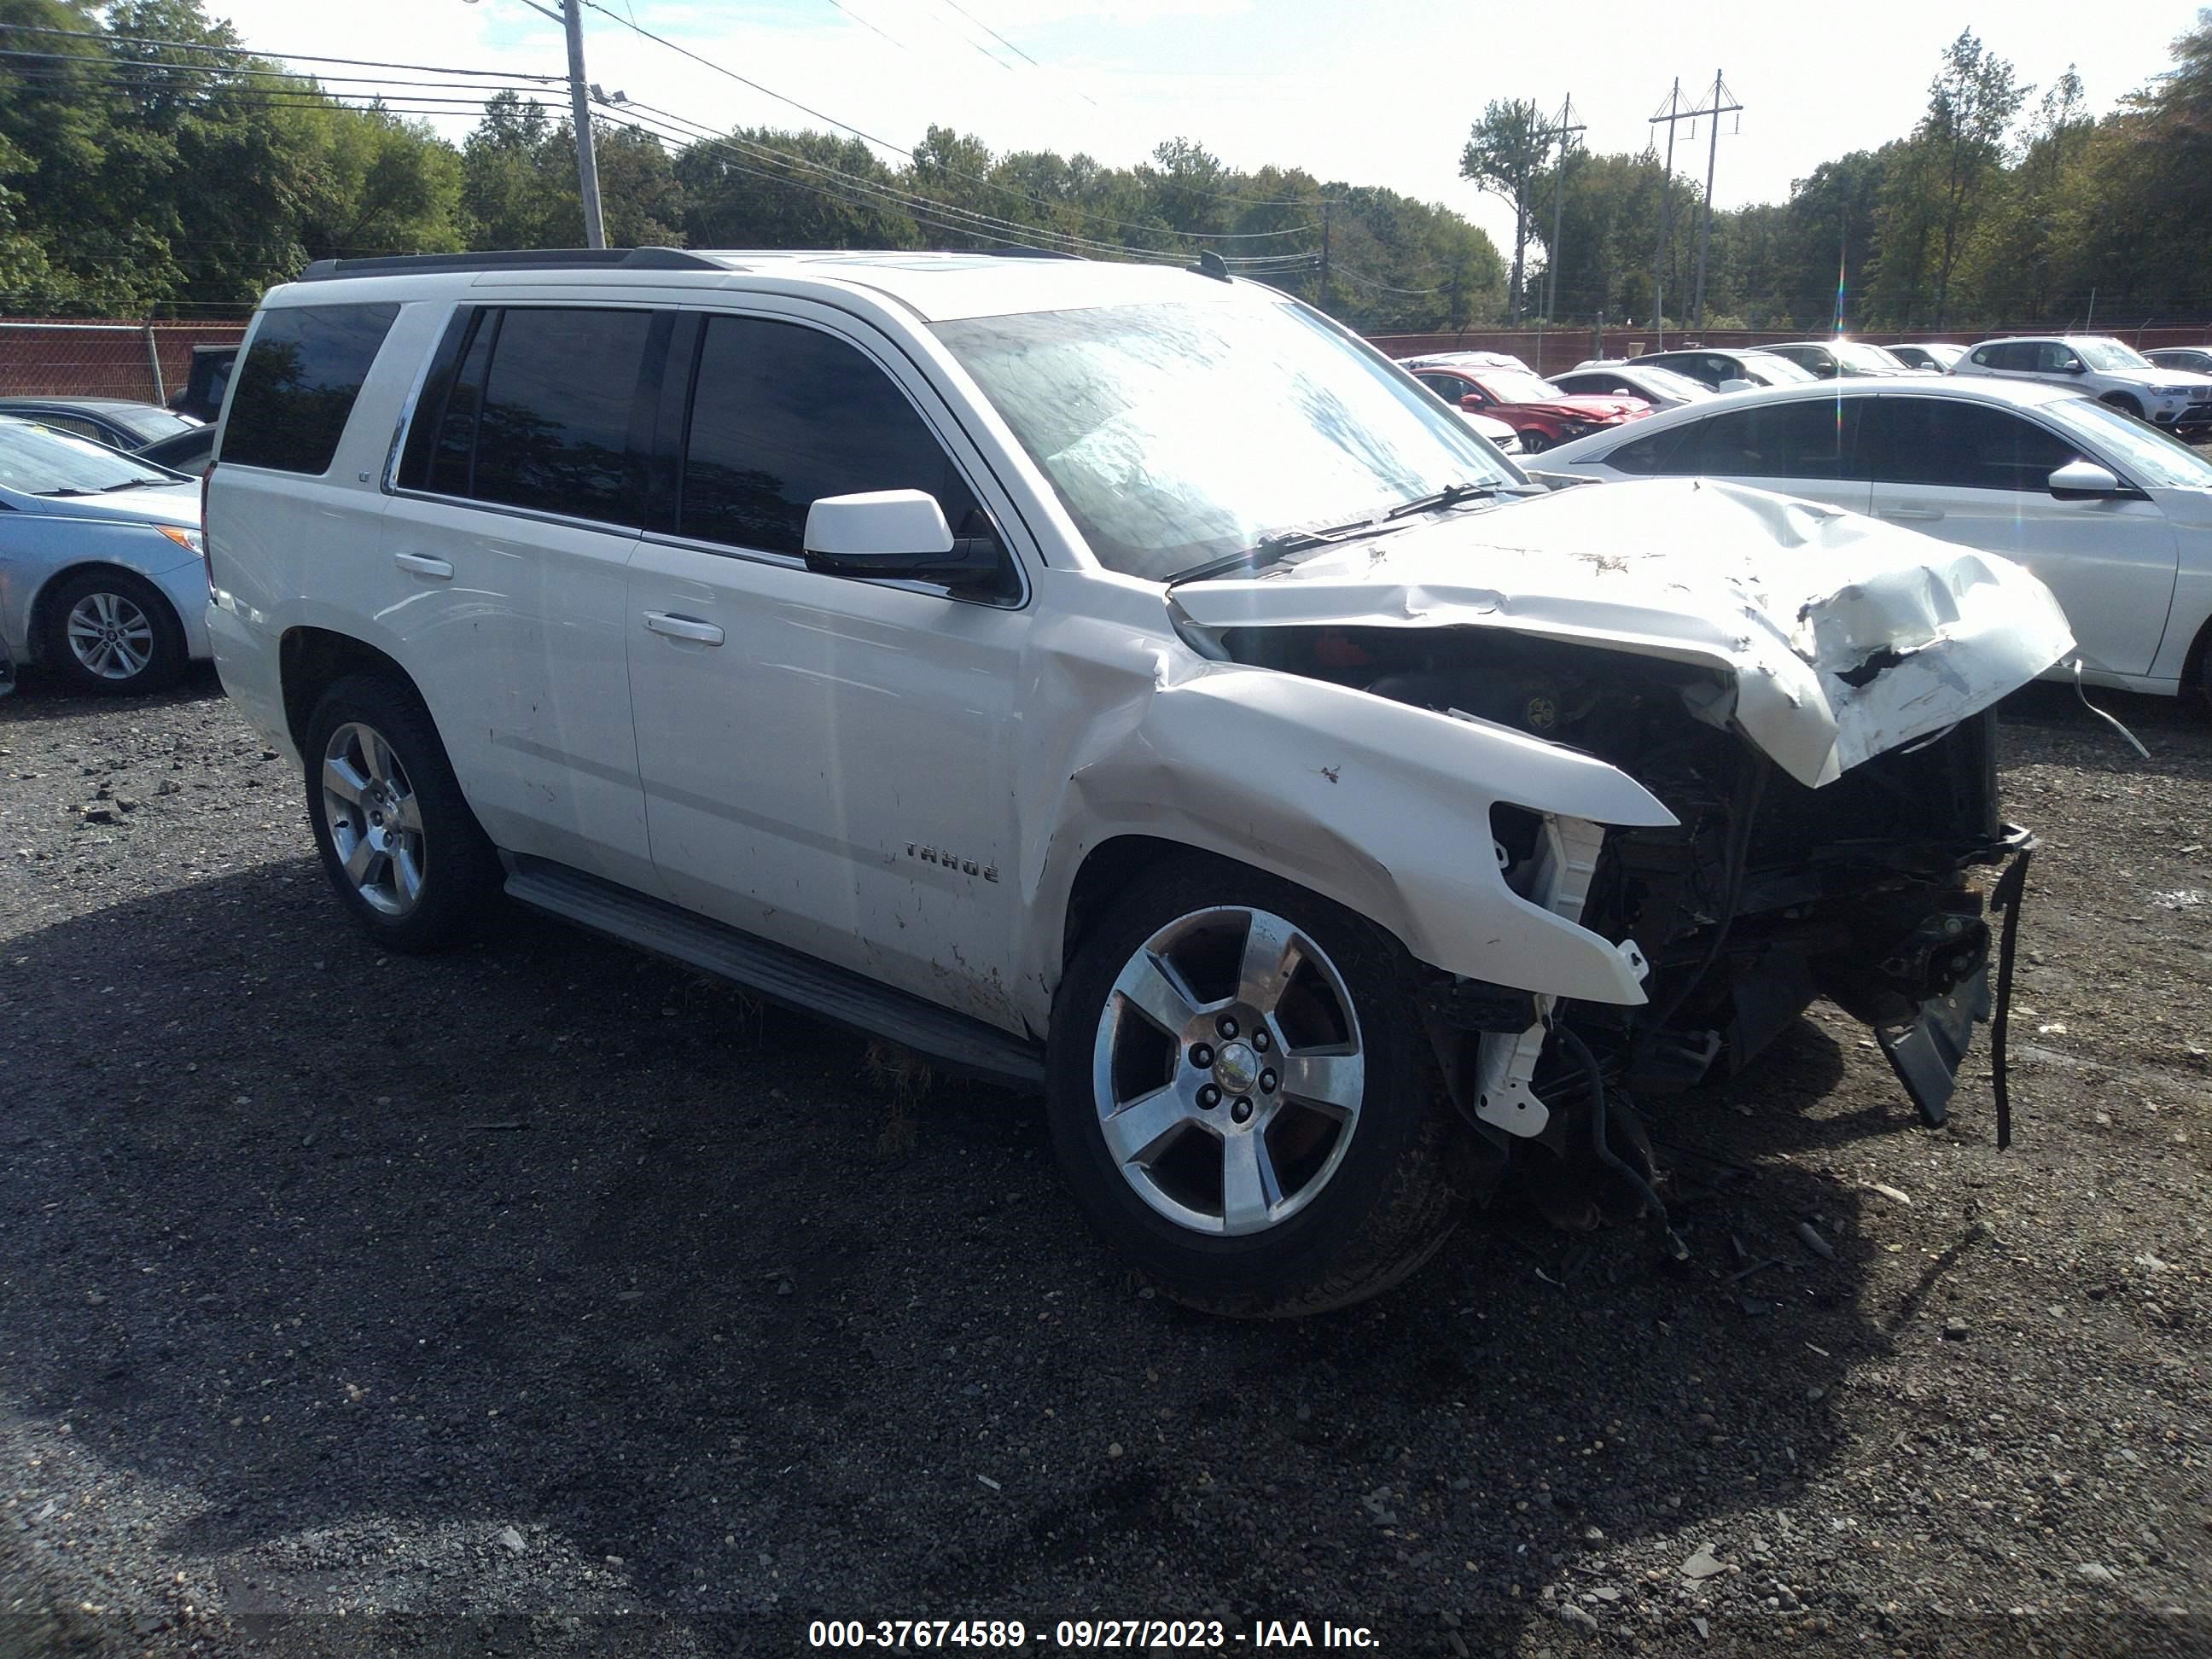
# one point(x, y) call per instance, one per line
point(1381, 806)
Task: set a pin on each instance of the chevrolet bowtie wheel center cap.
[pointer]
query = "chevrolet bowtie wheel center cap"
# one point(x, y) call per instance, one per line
point(1235, 1068)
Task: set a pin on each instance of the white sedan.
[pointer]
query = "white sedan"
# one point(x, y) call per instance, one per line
point(2115, 517)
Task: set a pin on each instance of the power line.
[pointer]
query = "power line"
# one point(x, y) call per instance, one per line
point(993, 33)
point(288, 56)
point(255, 73)
point(903, 152)
point(913, 204)
point(700, 129)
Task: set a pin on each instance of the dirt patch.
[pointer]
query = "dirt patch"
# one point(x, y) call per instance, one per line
point(541, 1297)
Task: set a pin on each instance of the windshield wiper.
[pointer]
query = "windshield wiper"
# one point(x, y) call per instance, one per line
point(50, 494)
point(1268, 549)
point(1450, 495)
point(133, 483)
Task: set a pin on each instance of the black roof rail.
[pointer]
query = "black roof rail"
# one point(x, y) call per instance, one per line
point(534, 259)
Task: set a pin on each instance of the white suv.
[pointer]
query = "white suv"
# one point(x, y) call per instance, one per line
point(2101, 368)
point(1120, 682)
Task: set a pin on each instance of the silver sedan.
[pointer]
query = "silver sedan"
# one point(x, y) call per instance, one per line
point(101, 578)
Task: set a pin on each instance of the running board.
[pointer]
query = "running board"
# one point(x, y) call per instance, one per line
point(778, 973)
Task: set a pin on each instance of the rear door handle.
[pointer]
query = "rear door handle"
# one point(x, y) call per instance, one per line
point(423, 565)
point(1912, 514)
point(683, 627)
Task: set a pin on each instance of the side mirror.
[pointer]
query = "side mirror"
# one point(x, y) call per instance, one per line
point(1474, 400)
point(2073, 366)
point(2082, 480)
point(896, 532)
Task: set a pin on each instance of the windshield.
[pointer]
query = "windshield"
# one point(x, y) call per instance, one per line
point(2109, 354)
point(1176, 435)
point(1776, 371)
point(150, 423)
point(2147, 455)
point(1512, 385)
point(1857, 354)
point(40, 461)
point(1669, 384)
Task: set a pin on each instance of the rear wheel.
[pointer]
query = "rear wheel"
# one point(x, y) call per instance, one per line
point(109, 632)
point(1534, 442)
point(1243, 1099)
point(398, 840)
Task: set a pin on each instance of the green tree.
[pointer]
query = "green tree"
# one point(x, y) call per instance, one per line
point(1505, 152)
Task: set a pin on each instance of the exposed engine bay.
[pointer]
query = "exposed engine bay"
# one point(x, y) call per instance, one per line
point(1872, 891)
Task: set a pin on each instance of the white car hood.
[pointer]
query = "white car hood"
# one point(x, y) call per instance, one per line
point(1795, 601)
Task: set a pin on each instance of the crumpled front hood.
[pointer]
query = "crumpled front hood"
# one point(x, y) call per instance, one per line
point(1845, 637)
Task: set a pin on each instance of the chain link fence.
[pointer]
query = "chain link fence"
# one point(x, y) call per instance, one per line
point(148, 362)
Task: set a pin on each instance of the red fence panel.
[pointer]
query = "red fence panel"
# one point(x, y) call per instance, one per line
point(103, 359)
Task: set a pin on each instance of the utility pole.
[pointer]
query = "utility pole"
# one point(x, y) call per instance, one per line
point(1326, 204)
point(580, 101)
point(1716, 109)
point(1672, 114)
point(570, 17)
point(1564, 132)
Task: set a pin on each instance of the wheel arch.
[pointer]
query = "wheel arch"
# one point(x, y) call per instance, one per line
point(42, 598)
point(310, 661)
point(2197, 667)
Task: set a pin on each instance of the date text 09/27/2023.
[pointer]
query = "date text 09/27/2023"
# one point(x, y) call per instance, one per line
point(1192, 1635)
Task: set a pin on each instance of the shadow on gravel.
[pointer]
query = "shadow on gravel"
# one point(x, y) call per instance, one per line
point(373, 1258)
point(39, 697)
point(2049, 722)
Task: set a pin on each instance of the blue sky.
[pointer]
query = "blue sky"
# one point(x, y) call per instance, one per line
point(1379, 92)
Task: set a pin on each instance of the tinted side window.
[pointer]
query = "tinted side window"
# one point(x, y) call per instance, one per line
point(783, 415)
point(298, 384)
point(1769, 440)
point(554, 433)
point(1937, 441)
point(1652, 454)
point(1983, 356)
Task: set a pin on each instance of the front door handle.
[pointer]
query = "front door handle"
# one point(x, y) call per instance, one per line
point(683, 627)
point(1912, 514)
point(421, 564)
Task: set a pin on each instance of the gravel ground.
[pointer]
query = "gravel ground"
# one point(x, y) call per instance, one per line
point(542, 1299)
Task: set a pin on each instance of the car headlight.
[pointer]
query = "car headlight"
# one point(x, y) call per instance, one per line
point(191, 540)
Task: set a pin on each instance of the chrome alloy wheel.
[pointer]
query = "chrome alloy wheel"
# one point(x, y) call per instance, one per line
point(375, 821)
point(1228, 1072)
point(110, 636)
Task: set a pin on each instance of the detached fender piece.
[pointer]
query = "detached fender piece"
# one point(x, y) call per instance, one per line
point(1379, 806)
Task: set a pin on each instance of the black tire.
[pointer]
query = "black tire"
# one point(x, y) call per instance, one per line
point(1534, 442)
point(148, 634)
point(458, 878)
point(2124, 404)
point(1402, 1180)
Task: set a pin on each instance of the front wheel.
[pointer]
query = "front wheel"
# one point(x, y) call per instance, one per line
point(398, 840)
point(1534, 442)
point(109, 632)
point(1243, 1098)
point(2125, 405)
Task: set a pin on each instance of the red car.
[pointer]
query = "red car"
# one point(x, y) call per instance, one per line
point(1505, 389)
